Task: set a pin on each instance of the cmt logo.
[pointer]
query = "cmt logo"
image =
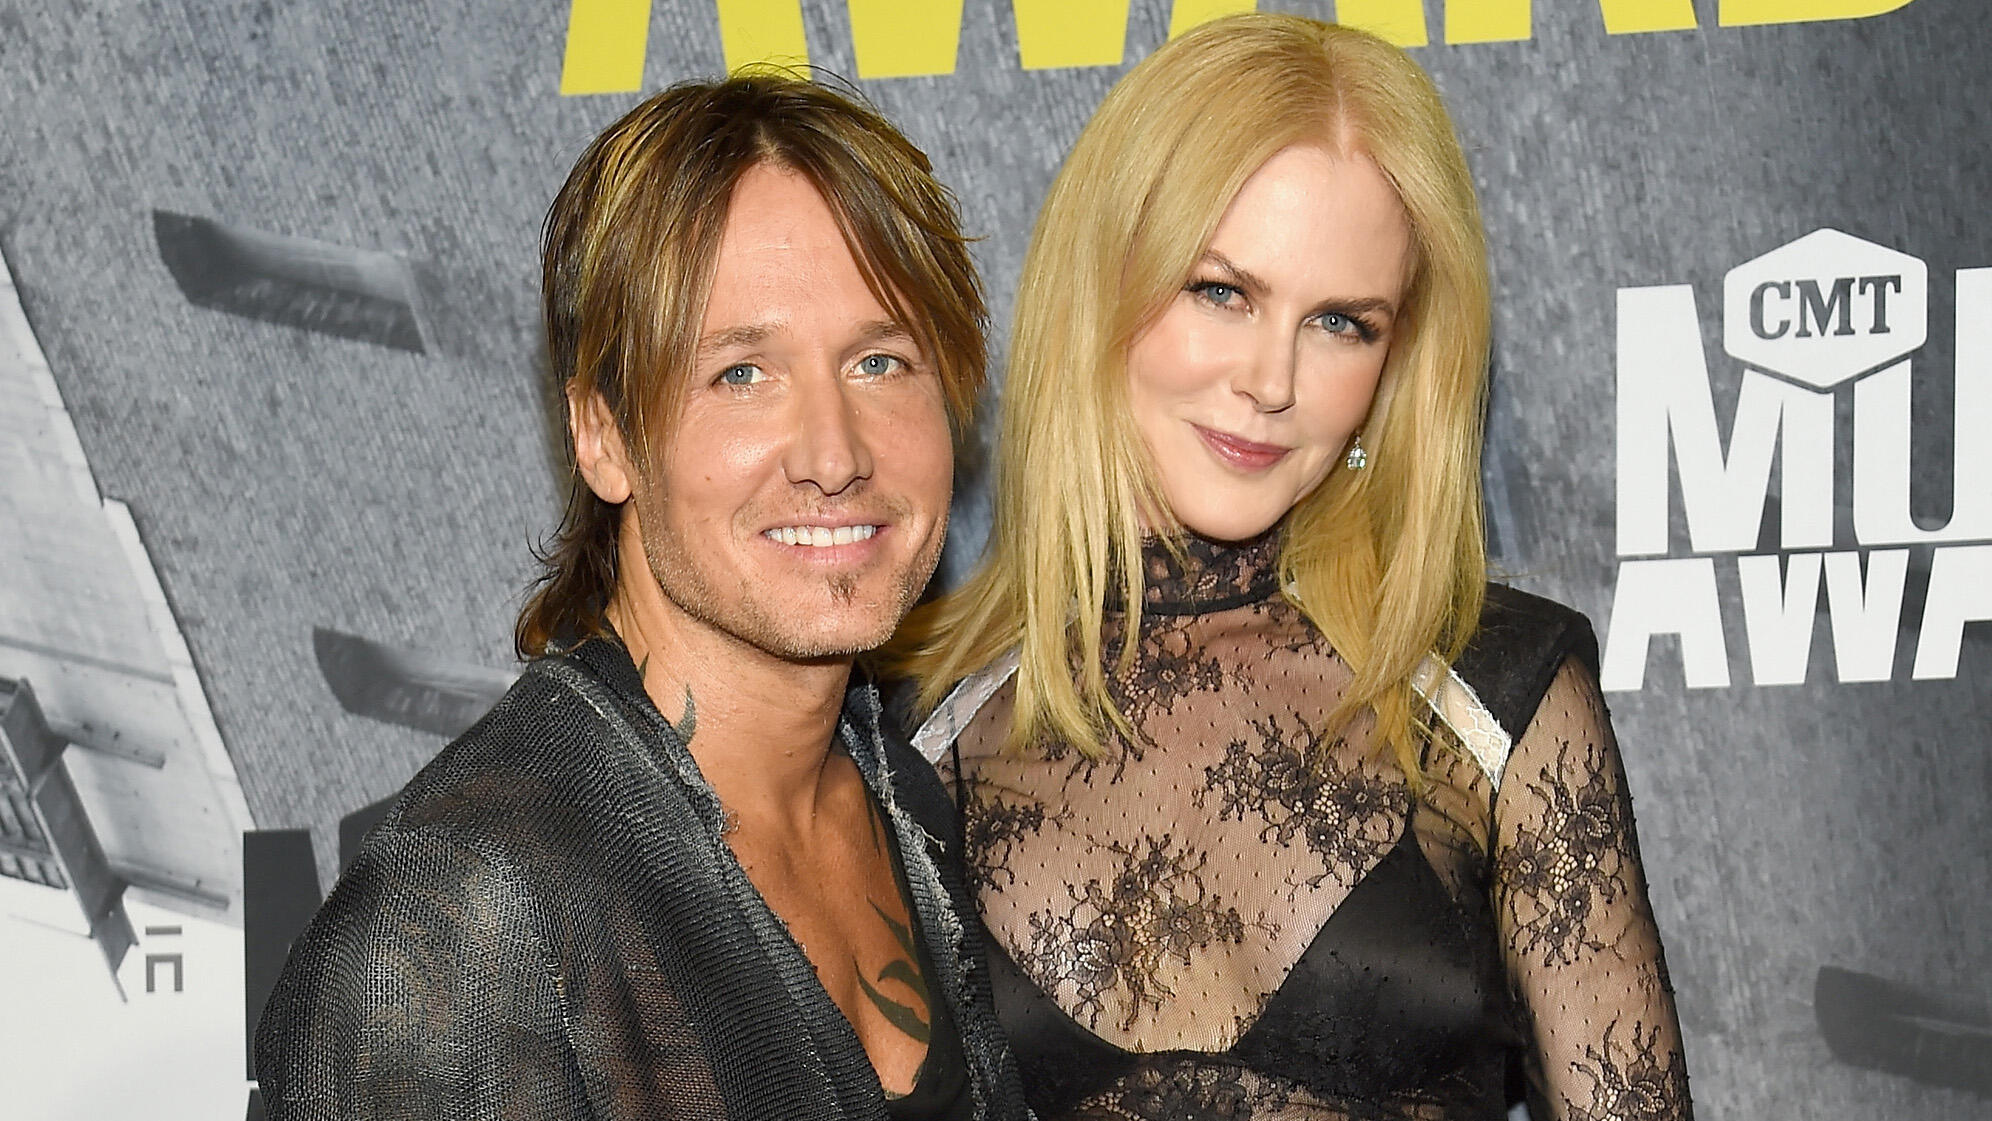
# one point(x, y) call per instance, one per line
point(607, 39)
point(1806, 320)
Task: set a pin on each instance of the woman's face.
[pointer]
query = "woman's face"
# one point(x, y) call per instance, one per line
point(1249, 384)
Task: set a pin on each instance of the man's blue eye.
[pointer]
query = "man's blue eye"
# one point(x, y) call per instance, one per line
point(740, 375)
point(878, 365)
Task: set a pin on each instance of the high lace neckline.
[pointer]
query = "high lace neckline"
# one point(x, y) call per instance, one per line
point(1210, 575)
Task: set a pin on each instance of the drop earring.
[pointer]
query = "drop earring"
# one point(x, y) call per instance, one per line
point(1357, 458)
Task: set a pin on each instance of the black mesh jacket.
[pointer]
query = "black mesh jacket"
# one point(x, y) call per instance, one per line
point(548, 925)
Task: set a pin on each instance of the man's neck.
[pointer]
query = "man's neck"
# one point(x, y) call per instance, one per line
point(759, 726)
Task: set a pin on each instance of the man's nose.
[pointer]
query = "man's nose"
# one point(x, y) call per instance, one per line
point(826, 450)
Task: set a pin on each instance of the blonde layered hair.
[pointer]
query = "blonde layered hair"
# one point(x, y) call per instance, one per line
point(1387, 561)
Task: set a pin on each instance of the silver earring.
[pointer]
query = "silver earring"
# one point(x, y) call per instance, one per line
point(1358, 458)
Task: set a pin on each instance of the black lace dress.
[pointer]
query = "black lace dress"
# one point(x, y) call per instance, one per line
point(1227, 917)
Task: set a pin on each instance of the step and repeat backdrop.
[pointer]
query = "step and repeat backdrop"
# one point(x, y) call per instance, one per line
point(274, 452)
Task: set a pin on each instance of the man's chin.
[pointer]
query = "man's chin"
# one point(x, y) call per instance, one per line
point(801, 618)
point(838, 640)
point(845, 614)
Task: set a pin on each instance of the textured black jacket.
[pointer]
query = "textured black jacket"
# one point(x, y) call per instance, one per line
point(548, 924)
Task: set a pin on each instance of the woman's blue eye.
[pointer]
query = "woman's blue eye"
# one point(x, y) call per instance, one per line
point(1346, 326)
point(878, 365)
point(742, 374)
point(1217, 293)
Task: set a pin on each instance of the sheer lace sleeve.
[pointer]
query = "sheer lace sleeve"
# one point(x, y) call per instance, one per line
point(1576, 929)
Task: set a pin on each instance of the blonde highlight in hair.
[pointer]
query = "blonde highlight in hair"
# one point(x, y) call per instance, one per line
point(1388, 562)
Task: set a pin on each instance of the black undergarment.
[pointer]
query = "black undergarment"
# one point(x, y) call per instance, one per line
point(1398, 999)
point(940, 1087)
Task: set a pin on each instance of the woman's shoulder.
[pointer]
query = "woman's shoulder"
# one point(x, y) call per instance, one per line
point(1521, 643)
point(963, 705)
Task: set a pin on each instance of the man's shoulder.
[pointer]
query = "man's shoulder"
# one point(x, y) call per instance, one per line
point(915, 784)
point(546, 778)
point(535, 810)
point(538, 735)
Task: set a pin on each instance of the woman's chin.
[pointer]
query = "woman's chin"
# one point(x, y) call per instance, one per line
point(1229, 525)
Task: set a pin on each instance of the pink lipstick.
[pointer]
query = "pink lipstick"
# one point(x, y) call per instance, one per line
point(1243, 454)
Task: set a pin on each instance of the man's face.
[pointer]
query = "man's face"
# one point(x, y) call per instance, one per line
point(799, 501)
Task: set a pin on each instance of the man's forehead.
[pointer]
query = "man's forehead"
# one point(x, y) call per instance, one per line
point(776, 208)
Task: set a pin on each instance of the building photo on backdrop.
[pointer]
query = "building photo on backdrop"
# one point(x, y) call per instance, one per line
point(275, 454)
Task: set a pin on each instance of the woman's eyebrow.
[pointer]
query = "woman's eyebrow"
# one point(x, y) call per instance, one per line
point(1248, 282)
point(1241, 277)
point(1359, 304)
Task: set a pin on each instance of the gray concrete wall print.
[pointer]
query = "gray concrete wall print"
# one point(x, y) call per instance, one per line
point(277, 267)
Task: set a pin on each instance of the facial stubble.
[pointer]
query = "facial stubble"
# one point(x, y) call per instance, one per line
point(734, 604)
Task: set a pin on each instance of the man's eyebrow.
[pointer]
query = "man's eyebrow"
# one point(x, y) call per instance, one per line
point(878, 330)
point(748, 335)
point(745, 335)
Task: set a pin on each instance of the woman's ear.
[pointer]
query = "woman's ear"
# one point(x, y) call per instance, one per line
point(599, 453)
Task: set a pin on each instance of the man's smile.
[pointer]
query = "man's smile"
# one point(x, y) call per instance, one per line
point(821, 536)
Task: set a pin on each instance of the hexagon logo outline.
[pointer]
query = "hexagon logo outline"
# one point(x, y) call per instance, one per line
point(1825, 308)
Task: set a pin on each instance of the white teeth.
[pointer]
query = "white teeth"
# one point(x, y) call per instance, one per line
point(820, 536)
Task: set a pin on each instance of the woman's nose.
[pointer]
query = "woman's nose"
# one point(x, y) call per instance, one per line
point(1267, 376)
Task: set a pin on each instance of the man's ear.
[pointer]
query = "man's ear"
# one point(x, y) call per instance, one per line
point(599, 453)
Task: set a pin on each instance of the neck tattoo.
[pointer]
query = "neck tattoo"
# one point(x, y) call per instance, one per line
point(687, 724)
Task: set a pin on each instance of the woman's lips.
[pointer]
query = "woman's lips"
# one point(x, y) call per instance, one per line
point(1246, 455)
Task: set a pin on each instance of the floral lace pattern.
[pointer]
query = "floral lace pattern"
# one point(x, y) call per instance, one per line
point(1569, 862)
point(1172, 668)
point(1642, 1081)
point(1209, 576)
point(991, 828)
point(1116, 936)
point(1187, 1091)
point(1288, 632)
point(1300, 791)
